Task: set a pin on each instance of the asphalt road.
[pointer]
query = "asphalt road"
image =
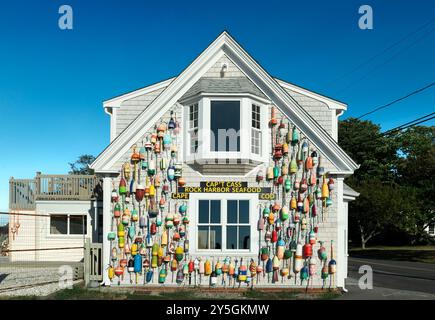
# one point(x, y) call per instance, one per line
point(392, 280)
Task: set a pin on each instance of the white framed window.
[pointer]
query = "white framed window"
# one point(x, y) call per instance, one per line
point(223, 224)
point(225, 126)
point(217, 125)
point(68, 224)
point(431, 229)
point(209, 225)
point(238, 228)
point(256, 130)
point(193, 127)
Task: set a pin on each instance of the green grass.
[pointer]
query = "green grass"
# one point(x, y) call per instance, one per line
point(424, 254)
point(78, 292)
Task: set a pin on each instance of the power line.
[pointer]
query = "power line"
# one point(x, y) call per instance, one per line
point(382, 52)
point(410, 124)
point(397, 100)
point(372, 71)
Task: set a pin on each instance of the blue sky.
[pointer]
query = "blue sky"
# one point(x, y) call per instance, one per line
point(53, 82)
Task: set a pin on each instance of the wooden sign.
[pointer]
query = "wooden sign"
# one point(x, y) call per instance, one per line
point(224, 187)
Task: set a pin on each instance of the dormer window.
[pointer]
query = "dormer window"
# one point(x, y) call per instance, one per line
point(193, 128)
point(256, 130)
point(227, 130)
point(224, 126)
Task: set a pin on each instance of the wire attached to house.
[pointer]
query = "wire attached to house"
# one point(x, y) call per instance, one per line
point(410, 124)
point(359, 66)
point(397, 100)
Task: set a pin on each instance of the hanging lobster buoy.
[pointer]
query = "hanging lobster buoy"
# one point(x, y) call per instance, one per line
point(320, 168)
point(122, 186)
point(169, 221)
point(121, 230)
point(264, 254)
point(298, 258)
point(270, 173)
point(293, 166)
point(179, 253)
point(332, 265)
point(269, 266)
point(271, 218)
point(114, 196)
point(273, 120)
point(312, 266)
point(162, 275)
point(260, 176)
point(207, 268)
point(127, 170)
point(182, 209)
point(284, 213)
point(171, 123)
point(287, 254)
point(260, 224)
point(304, 273)
point(243, 272)
point(138, 263)
point(280, 246)
point(180, 276)
point(325, 189)
point(321, 253)
point(295, 136)
point(312, 237)
point(181, 182)
point(117, 211)
point(274, 236)
point(307, 251)
point(285, 149)
point(287, 185)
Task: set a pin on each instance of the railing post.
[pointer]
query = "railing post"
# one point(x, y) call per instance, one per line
point(11, 197)
point(87, 261)
point(37, 185)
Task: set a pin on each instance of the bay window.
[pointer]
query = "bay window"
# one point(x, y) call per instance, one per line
point(256, 130)
point(225, 126)
point(193, 127)
point(233, 127)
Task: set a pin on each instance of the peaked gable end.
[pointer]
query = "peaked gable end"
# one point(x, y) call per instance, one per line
point(225, 45)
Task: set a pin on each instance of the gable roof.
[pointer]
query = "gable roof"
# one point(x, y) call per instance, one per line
point(223, 85)
point(225, 44)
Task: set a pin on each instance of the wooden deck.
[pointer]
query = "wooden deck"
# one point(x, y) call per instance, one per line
point(23, 193)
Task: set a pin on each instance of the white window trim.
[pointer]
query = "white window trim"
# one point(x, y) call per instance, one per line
point(204, 153)
point(253, 217)
point(68, 235)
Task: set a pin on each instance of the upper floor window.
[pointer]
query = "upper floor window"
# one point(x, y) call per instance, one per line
point(225, 126)
point(256, 130)
point(193, 127)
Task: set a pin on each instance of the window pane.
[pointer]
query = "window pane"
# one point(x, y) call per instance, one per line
point(59, 224)
point(203, 211)
point(215, 212)
point(215, 237)
point(232, 211)
point(77, 224)
point(244, 211)
point(244, 237)
point(231, 237)
point(202, 237)
point(225, 126)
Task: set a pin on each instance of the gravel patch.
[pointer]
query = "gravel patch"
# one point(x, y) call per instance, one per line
point(29, 281)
